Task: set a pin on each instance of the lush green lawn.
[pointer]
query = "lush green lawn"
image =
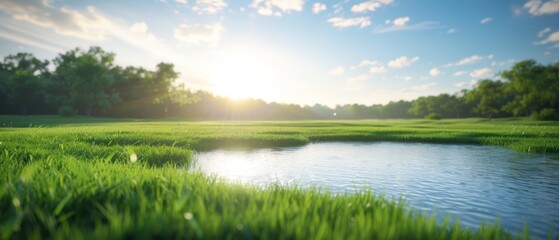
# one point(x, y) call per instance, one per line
point(74, 178)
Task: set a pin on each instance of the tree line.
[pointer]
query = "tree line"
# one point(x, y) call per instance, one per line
point(88, 82)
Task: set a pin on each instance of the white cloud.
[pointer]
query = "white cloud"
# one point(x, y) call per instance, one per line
point(30, 42)
point(368, 63)
point(318, 7)
point(420, 88)
point(359, 78)
point(459, 73)
point(277, 7)
point(469, 60)
point(434, 72)
point(339, 70)
point(339, 22)
point(401, 21)
point(87, 25)
point(402, 61)
point(377, 69)
point(552, 38)
point(539, 7)
point(452, 30)
point(139, 27)
point(209, 6)
point(486, 20)
point(407, 78)
point(481, 73)
point(543, 32)
point(467, 84)
point(196, 34)
point(413, 27)
point(181, 1)
point(370, 5)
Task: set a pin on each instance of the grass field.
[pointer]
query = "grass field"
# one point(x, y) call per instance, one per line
point(105, 178)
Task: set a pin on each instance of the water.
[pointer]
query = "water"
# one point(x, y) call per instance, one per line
point(475, 183)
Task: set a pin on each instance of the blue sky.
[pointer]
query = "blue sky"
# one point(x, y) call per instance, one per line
point(298, 51)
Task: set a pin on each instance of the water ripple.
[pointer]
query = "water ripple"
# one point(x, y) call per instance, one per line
point(473, 183)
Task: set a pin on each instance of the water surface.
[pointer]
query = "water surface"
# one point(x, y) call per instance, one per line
point(475, 183)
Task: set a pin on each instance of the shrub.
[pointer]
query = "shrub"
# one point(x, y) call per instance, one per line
point(66, 111)
point(433, 116)
point(545, 114)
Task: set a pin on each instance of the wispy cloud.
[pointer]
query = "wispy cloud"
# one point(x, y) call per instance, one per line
point(402, 61)
point(552, 38)
point(543, 32)
point(471, 83)
point(29, 42)
point(368, 63)
point(486, 20)
point(377, 69)
point(209, 6)
point(277, 7)
point(87, 24)
point(318, 7)
point(539, 7)
point(401, 21)
point(481, 73)
point(370, 5)
point(339, 70)
point(196, 34)
point(339, 22)
point(429, 25)
point(467, 61)
point(452, 30)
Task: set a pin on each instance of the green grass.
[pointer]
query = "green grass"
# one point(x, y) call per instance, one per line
point(73, 178)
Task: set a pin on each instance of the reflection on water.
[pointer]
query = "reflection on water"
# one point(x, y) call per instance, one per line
point(474, 183)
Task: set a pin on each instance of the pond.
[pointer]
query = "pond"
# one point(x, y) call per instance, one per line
point(475, 183)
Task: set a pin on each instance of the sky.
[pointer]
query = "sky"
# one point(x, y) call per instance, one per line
point(298, 51)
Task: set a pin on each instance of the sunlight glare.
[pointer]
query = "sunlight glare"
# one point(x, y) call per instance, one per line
point(241, 74)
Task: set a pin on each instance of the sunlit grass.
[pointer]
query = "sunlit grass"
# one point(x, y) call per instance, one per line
point(83, 178)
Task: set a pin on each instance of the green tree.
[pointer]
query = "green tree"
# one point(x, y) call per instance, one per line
point(23, 81)
point(489, 97)
point(397, 109)
point(419, 107)
point(534, 88)
point(165, 93)
point(83, 80)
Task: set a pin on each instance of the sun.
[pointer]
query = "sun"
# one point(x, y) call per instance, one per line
point(241, 74)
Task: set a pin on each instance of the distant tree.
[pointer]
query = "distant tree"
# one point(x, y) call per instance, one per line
point(23, 79)
point(489, 97)
point(397, 109)
point(4, 75)
point(420, 107)
point(165, 93)
point(83, 80)
point(443, 105)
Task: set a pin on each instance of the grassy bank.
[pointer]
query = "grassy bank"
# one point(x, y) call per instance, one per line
point(73, 177)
